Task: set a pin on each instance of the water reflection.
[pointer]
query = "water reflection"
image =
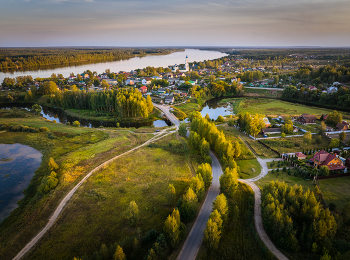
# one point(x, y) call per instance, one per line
point(62, 117)
point(214, 109)
point(17, 166)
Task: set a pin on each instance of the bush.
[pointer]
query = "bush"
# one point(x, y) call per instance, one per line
point(54, 121)
point(76, 123)
point(4, 127)
point(50, 135)
point(220, 119)
point(284, 169)
point(43, 129)
point(68, 123)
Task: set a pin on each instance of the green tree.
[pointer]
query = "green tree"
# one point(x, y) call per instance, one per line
point(36, 109)
point(132, 213)
point(334, 118)
point(335, 143)
point(171, 194)
point(323, 128)
point(342, 136)
point(212, 234)
point(29, 96)
point(307, 137)
point(105, 84)
point(119, 254)
point(197, 185)
point(220, 119)
point(182, 129)
point(324, 170)
point(216, 217)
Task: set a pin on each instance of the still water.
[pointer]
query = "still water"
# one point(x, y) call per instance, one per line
point(214, 109)
point(62, 117)
point(17, 166)
point(123, 65)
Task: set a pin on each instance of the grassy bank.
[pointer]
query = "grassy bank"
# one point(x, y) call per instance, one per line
point(77, 151)
point(252, 92)
point(100, 203)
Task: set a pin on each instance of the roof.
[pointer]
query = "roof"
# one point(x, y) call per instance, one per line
point(299, 154)
point(308, 116)
point(144, 87)
point(272, 130)
point(341, 125)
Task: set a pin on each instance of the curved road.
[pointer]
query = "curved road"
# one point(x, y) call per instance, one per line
point(63, 203)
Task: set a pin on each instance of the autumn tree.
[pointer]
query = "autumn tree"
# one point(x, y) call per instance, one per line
point(149, 103)
point(197, 185)
point(49, 87)
point(212, 234)
point(228, 181)
point(342, 136)
point(171, 194)
point(220, 204)
point(188, 205)
point(172, 228)
point(237, 148)
point(204, 148)
point(119, 254)
point(334, 118)
point(205, 171)
point(132, 213)
point(52, 165)
point(307, 138)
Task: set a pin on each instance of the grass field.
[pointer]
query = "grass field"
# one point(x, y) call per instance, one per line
point(95, 215)
point(275, 164)
point(189, 107)
point(249, 168)
point(336, 191)
point(295, 144)
point(275, 107)
point(37, 122)
point(76, 154)
point(284, 177)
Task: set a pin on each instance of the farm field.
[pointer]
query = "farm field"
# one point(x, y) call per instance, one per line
point(101, 202)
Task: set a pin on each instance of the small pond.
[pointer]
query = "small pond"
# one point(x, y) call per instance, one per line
point(17, 166)
point(214, 109)
point(62, 117)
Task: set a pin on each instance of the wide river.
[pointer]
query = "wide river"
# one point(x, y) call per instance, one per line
point(123, 65)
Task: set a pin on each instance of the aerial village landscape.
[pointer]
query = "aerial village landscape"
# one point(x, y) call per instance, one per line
point(182, 130)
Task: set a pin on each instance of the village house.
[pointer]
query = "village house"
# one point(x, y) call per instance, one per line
point(143, 89)
point(169, 100)
point(146, 81)
point(300, 156)
point(322, 158)
point(343, 126)
point(307, 119)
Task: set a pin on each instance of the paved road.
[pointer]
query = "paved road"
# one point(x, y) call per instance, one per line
point(63, 203)
point(194, 239)
point(167, 113)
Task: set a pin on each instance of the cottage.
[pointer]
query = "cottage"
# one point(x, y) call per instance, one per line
point(300, 156)
point(322, 158)
point(143, 89)
point(343, 126)
point(267, 122)
point(269, 131)
point(307, 119)
point(169, 100)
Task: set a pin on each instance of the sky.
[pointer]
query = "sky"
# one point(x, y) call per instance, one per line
point(40, 23)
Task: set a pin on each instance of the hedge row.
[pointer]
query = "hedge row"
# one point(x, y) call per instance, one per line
point(22, 128)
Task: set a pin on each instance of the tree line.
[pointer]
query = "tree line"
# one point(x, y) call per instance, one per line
point(295, 220)
point(124, 102)
point(20, 58)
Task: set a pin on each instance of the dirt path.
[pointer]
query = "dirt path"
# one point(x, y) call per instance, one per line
point(63, 203)
point(257, 205)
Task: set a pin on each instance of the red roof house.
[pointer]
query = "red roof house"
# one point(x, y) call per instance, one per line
point(323, 158)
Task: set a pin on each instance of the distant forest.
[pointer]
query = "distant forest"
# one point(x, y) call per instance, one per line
point(12, 59)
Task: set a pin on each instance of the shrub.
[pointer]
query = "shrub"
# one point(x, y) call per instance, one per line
point(76, 123)
point(220, 119)
point(4, 127)
point(284, 169)
point(68, 123)
point(54, 121)
point(43, 129)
